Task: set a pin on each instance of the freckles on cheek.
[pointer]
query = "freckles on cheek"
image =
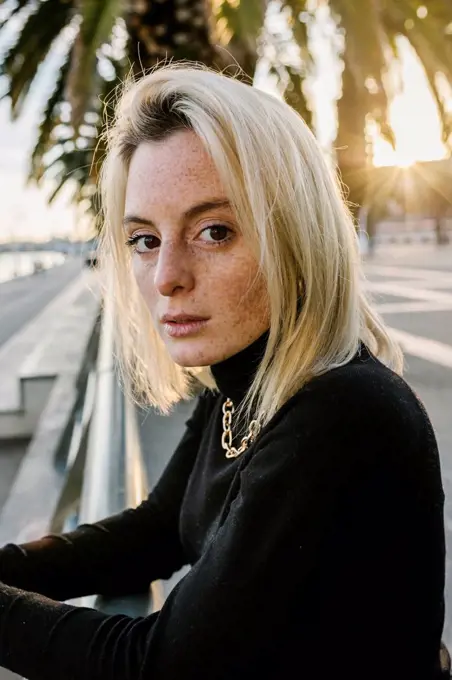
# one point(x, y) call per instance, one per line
point(243, 299)
point(251, 301)
point(246, 286)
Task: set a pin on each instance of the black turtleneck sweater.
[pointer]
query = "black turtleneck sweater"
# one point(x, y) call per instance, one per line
point(319, 552)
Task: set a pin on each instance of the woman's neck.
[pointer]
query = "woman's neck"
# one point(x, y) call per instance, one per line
point(234, 375)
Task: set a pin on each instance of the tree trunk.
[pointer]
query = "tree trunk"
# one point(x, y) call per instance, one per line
point(169, 29)
point(160, 30)
point(350, 142)
point(441, 235)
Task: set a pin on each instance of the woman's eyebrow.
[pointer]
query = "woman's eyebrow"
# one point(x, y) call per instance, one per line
point(194, 211)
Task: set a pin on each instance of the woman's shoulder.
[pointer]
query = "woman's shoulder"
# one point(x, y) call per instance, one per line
point(363, 383)
point(363, 398)
point(351, 423)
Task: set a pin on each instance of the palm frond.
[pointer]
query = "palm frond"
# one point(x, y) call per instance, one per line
point(14, 10)
point(82, 151)
point(50, 119)
point(239, 26)
point(430, 65)
point(428, 34)
point(245, 17)
point(73, 168)
point(431, 44)
point(23, 59)
point(105, 110)
point(97, 21)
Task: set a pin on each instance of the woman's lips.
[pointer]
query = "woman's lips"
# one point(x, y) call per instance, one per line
point(181, 329)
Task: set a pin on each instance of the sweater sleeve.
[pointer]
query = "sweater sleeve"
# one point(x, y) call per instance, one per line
point(120, 554)
point(225, 617)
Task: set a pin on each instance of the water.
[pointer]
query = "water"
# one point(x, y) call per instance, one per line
point(13, 265)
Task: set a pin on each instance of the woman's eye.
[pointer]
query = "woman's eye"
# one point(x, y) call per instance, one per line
point(143, 243)
point(217, 233)
point(146, 243)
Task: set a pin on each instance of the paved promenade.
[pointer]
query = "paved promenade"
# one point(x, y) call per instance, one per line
point(412, 286)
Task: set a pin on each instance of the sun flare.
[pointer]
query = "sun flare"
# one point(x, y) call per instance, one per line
point(414, 119)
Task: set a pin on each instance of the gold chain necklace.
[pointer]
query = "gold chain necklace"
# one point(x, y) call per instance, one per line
point(226, 438)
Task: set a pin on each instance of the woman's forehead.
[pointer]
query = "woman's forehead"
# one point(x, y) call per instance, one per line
point(170, 172)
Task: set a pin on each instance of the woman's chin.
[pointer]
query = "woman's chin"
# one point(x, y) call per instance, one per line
point(191, 353)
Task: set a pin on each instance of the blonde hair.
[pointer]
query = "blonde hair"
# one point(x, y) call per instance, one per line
point(290, 209)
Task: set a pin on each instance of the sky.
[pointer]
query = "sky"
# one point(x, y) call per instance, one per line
point(24, 213)
point(414, 118)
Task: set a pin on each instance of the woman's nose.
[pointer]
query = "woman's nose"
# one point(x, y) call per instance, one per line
point(173, 270)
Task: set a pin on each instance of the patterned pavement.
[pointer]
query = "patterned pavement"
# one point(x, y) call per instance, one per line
point(412, 286)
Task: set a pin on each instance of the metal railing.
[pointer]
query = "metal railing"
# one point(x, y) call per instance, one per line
point(94, 467)
point(114, 475)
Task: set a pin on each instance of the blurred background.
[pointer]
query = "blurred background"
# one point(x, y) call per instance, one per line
point(374, 82)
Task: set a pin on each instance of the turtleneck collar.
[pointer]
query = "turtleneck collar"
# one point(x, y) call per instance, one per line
point(235, 374)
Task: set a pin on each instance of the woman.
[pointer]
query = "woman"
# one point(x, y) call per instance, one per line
point(306, 492)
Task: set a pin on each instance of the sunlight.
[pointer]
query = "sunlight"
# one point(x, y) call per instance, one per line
point(404, 162)
point(414, 118)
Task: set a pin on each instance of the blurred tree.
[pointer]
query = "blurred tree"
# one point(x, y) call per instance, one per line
point(366, 40)
point(104, 39)
point(370, 29)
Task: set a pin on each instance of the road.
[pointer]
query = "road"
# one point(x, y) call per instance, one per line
point(23, 298)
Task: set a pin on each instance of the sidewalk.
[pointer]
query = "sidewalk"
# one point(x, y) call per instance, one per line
point(412, 287)
point(415, 255)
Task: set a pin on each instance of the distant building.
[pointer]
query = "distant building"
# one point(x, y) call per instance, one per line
point(58, 245)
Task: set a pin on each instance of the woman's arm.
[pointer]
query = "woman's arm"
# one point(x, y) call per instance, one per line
point(120, 554)
point(324, 558)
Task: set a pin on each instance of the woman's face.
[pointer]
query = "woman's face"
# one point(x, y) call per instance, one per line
point(198, 277)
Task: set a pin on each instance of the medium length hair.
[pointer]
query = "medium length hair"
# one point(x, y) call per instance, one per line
point(290, 208)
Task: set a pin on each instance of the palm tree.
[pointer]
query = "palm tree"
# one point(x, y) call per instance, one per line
point(369, 33)
point(371, 29)
point(102, 41)
point(104, 38)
